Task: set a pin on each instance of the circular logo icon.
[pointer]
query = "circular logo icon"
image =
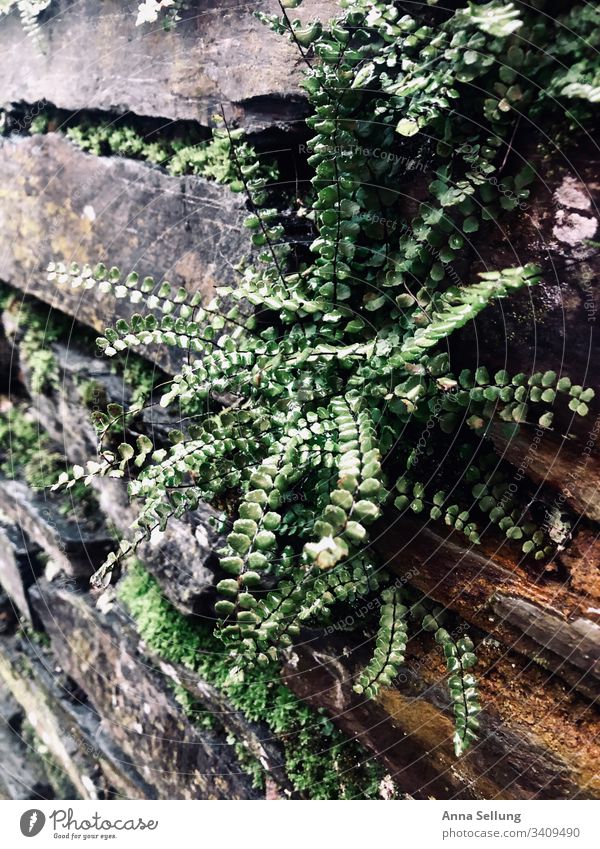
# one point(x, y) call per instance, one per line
point(32, 822)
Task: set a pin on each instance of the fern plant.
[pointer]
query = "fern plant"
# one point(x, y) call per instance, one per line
point(321, 368)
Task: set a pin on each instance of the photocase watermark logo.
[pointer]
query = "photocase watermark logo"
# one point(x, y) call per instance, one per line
point(63, 823)
point(32, 822)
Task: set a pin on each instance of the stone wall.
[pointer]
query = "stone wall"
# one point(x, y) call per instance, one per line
point(219, 55)
point(90, 709)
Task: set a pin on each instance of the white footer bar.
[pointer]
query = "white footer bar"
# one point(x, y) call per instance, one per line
point(313, 825)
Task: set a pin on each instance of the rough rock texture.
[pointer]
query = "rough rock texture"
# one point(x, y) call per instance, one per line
point(258, 739)
point(73, 547)
point(183, 556)
point(537, 738)
point(103, 711)
point(23, 775)
point(536, 613)
point(538, 728)
point(550, 325)
point(85, 763)
point(57, 203)
point(569, 467)
point(219, 55)
point(19, 568)
point(138, 713)
point(553, 325)
point(537, 741)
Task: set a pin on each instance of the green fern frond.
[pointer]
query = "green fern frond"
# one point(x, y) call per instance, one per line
point(390, 645)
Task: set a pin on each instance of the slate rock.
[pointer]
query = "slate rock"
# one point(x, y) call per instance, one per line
point(139, 713)
point(22, 775)
point(60, 204)
point(537, 738)
point(19, 567)
point(74, 548)
point(219, 55)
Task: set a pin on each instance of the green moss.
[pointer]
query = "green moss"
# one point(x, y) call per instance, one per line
point(25, 448)
point(26, 453)
point(39, 125)
point(209, 158)
point(320, 761)
point(31, 454)
point(39, 638)
point(93, 394)
point(248, 762)
point(40, 331)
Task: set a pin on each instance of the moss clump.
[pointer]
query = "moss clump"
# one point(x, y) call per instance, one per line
point(27, 453)
point(320, 761)
point(40, 639)
point(208, 158)
point(25, 449)
point(93, 394)
point(40, 330)
point(248, 762)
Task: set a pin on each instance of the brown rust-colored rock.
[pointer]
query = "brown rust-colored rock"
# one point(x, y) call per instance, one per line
point(570, 467)
point(551, 326)
point(581, 559)
point(537, 738)
point(538, 733)
point(321, 673)
point(536, 613)
point(549, 613)
point(92, 56)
